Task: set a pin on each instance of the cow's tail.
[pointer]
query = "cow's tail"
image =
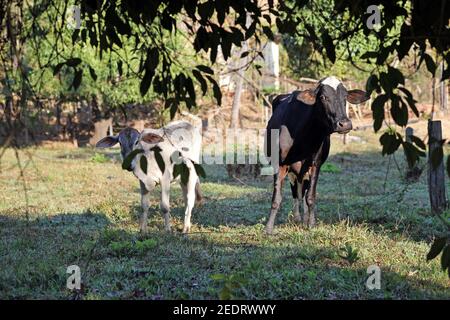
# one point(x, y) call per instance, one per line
point(198, 194)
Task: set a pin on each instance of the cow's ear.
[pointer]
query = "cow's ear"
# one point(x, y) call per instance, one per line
point(107, 142)
point(151, 138)
point(307, 96)
point(357, 96)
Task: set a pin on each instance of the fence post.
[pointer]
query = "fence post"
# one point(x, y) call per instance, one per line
point(436, 174)
point(443, 91)
point(409, 132)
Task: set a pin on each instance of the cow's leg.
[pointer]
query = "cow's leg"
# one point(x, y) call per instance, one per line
point(311, 195)
point(295, 194)
point(165, 202)
point(189, 193)
point(276, 197)
point(145, 204)
point(294, 177)
point(305, 184)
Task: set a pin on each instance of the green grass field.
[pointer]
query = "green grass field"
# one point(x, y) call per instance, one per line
point(83, 210)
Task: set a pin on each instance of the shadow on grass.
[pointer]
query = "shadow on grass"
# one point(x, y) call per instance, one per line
point(116, 263)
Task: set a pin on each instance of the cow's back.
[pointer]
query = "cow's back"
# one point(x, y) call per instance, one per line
point(184, 137)
point(289, 112)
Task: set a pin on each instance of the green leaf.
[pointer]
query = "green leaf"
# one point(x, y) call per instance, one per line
point(369, 54)
point(201, 80)
point(129, 158)
point(329, 46)
point(92, 73)
point(205, 69)
point(418, 142)
point(385, 82)
point(146, 81)
point(399, 111)
point(268, 32)
point(431, 66)
point(396, 77)
point(156, 149)
point(143, 163)
point(378, 111)
point(173, 109)
point(372, 84)
point(436, 248)
point(73, 62)
point(77, 79)
point(57, 68)
point(205, 10)
point(410, 100)
point(200, 171)
point(390, 142)
point(159, 158)
point(216, 90)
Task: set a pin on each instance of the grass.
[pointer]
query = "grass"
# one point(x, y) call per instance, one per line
point(83, 210)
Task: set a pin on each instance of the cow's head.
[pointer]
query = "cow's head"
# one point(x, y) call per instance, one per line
point(329, 97)
point(128, 139)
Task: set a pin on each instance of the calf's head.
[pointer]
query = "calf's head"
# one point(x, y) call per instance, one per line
point(128, 139)
point(328, 99)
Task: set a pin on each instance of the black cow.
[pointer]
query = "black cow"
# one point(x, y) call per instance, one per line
point(305, 120)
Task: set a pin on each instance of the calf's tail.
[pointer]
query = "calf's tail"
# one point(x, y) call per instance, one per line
point(198, 194)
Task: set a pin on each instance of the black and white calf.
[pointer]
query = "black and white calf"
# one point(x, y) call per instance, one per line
point(178, 137)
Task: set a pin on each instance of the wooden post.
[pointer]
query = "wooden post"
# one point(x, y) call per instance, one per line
point(436, 175)
point(409, 132)
point(442, 90)
point(413, 172)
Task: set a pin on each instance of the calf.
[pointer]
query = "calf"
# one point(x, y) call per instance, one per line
point(305, 120)
point(177, 138)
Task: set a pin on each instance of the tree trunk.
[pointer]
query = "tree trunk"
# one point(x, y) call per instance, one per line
point(238, 89)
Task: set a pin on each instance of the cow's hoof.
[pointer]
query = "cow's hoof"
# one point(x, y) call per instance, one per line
point(186, 229)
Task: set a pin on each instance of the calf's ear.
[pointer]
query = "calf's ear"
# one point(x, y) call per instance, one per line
point(151, 138)
point(357, 96)
point(107, 142)
point(307, 96)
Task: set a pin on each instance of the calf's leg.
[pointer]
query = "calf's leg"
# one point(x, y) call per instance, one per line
point(189, 193)
point(276, 197)
point(145, 206)
point(165, 203)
